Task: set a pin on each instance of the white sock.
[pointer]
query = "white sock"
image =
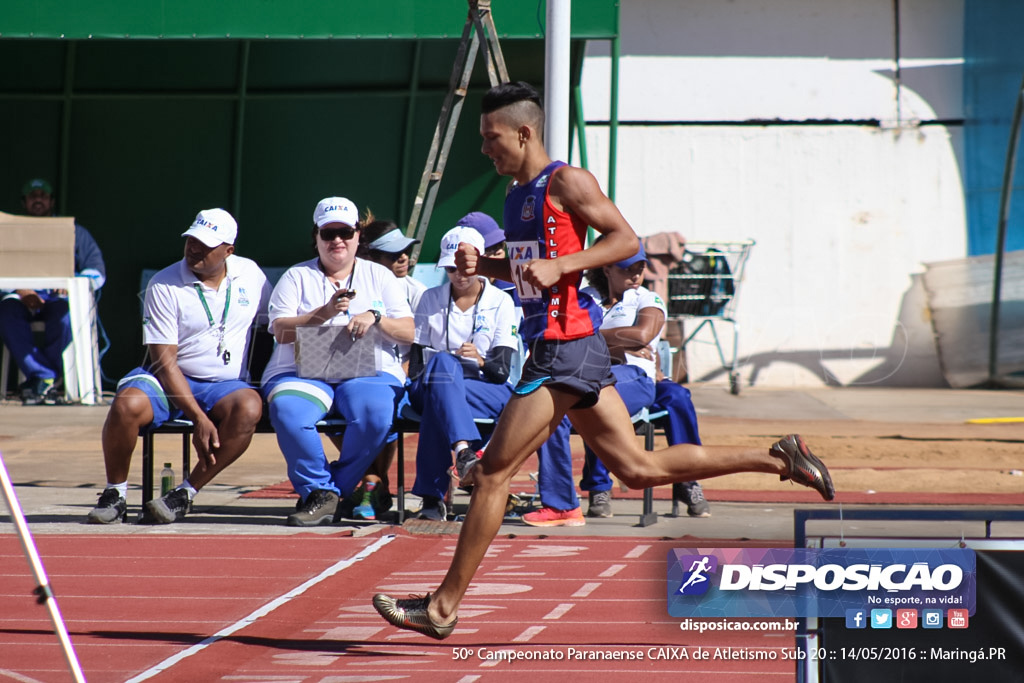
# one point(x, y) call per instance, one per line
point(122, 488)
point(188, 489)
point(459, 445)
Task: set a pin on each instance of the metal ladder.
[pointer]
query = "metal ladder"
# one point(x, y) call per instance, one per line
point(478, 23)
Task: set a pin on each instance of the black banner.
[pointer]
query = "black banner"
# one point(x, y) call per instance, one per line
point(990, 649)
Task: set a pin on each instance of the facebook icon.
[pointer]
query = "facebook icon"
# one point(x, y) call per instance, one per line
point(856, 618)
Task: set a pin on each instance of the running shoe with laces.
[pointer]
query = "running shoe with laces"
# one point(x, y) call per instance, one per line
point(600, 504)
point(411, 614)
point(316, 509)
point(465, 459)
point(110, 508)
point(36, 391)
point(804, 467)
point(690, 493)
point(170, 508)
point(433, 509)
point(551, 517)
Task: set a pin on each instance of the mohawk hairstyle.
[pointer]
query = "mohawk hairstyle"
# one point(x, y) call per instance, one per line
point(519, 104)
point(509, 93)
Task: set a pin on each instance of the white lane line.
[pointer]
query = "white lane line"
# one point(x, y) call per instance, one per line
point(527, 635)
point(636, 552)
point(585, 590)
point(611, 571)
point(559, 611)
point(263, 611)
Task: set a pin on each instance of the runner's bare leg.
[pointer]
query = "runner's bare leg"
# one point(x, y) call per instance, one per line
point(607, 429)
point(525, 424)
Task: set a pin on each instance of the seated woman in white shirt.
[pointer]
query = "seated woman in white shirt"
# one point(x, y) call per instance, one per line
point(335, 288)
point(459, 366)
point(382, 242)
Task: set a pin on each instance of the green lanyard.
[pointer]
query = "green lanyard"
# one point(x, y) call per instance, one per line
point(221, 351)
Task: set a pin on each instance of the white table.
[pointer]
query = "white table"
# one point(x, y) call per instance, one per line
point(81, 357)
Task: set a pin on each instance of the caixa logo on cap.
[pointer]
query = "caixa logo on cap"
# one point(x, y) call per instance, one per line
point(784, 582)
point(203, 223)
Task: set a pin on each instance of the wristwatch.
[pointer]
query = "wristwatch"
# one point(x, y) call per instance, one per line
point(376, 316)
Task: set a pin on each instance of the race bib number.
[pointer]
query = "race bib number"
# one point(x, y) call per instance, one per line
point(521, 253)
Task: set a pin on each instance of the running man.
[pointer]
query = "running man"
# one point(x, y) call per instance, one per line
point(547, 211)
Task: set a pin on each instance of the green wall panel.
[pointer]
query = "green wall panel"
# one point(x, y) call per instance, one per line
point(28, 146)
point(140, 172)
point(286, 18)
point(145, 133)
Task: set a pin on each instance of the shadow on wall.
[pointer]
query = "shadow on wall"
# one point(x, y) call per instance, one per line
point(910, 359)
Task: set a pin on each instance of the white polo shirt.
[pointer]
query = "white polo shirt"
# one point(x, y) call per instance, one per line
point(624, 314)
point(489, 323)
point(173, 313)
point(304, 288)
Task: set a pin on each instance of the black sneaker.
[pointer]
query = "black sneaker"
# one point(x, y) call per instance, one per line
point(433, 509)
point(600, 504)
point(692, 495)
point(110, 508)
point(34, 391)
point(54, 395)
point(804, 467)
point(412, 614)
point(172, 507)
point(318, 508)
point(464, 462)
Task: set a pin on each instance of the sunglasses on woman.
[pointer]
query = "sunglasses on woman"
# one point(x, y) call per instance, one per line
point(329, 234)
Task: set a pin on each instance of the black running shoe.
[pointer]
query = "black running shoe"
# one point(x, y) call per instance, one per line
point(461, 472)
point(690, 493)
point(804, 467)
point(433, 509)
point(110, 508)
point(411, 614)
point(317, 508)
point(172, 507)
point(600, 504)
point(34, 391)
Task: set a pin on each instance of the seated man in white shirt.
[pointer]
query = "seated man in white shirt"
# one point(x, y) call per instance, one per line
point(197, 319)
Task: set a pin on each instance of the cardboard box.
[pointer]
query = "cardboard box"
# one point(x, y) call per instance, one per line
point(36, 247)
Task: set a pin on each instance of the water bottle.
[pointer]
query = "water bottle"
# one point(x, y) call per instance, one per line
point(166, 479)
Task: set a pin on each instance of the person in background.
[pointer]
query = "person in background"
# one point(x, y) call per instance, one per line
point(334, 288)
point(382, 242)
point(494, 247)
point(459, 368)
point(197, 319)
point(43, 365)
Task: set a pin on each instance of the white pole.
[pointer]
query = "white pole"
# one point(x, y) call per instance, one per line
point(43, 592)
point(556, 79)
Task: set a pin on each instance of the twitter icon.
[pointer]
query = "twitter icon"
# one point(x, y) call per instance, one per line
point(881, 618)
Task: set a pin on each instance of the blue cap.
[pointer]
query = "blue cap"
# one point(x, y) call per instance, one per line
point(485, 225)
point(641, 255)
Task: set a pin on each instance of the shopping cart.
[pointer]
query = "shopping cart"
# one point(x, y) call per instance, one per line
point(704, 287)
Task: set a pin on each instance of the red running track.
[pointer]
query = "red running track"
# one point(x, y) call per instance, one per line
point(297, 609)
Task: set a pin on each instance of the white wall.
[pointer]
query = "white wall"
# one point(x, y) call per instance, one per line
point(844, 213)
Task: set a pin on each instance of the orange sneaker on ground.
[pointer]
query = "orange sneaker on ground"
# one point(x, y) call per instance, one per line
point(552, 517)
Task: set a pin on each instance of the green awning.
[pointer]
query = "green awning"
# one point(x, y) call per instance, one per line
point(308, 19)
